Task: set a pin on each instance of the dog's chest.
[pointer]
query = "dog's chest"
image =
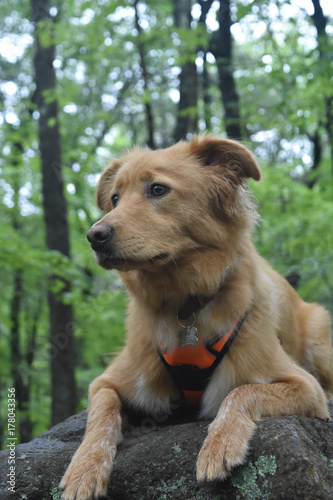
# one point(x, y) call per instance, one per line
point(151, 400)
point(210, 385)
point(158, 404)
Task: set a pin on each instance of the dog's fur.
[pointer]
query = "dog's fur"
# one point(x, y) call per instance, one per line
point(190, 239)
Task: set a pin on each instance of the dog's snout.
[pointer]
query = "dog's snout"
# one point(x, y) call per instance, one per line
point(99, 235)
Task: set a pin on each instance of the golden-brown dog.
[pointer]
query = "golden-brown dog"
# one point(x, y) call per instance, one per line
point(178, 225)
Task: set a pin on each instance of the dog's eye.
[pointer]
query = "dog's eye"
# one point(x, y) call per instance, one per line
point(158, 189)
point(114, 200)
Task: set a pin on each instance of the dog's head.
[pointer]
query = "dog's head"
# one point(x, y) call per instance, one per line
point(168, 205)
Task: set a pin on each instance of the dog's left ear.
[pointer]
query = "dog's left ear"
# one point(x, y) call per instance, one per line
point(103, 192)
point(228, 158)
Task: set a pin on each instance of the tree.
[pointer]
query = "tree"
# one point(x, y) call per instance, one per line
point(147, 98)
point(207, 96)
point(187, 113)
point(55, 213)
point(21, 380)
point(325, 53)
point(221, 47)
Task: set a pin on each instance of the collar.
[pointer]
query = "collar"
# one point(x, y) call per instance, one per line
point(195, 302)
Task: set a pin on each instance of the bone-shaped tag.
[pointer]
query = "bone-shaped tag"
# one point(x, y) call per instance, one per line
point(188, 336)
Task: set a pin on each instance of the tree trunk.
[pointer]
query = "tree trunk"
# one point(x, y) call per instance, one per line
point(143, 62)
point(317, 157)
point(187, 116)
point(22, 386)
point(320, 22)
point(221, 48)
point(20, 381)
point(206, 81)
point(55, 214)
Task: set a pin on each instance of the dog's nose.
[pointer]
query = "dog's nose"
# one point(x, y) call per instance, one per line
point(99, 235)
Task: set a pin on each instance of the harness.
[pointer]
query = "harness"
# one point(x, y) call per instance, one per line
point(191, 367)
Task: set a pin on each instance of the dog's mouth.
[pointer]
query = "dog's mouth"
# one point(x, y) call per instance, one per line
point(122, 262)
point(161, 256)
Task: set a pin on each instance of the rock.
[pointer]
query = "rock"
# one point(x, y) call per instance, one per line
point(290, 458)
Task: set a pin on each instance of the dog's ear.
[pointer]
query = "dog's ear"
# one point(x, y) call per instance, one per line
point(229, 163)
point(229, 158)
point(103, 192)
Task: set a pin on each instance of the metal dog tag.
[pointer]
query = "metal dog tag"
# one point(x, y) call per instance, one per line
point(188, 336)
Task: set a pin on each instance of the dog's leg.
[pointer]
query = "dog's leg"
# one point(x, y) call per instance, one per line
point(88, 473)
point(229, 434)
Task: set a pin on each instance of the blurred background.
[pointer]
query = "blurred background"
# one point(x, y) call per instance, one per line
point(82, 80)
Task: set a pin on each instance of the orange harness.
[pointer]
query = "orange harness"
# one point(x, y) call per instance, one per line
point(191, 367)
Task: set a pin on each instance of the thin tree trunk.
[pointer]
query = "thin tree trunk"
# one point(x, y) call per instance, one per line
point(187, 116)
point(320, 22)
point(317, 157)
point(145, 76)
point(206, 81)
point(55, 214)
point(221, 47)
point(22, 387)
point(21, 383)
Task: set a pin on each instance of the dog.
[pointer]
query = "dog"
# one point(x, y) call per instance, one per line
point(210, 324)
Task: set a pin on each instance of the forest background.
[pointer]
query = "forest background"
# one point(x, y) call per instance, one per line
point(82, 80)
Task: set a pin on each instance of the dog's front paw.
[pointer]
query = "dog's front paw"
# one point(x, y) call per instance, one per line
point(216, 458)
point(88, 474)
point(225, 447)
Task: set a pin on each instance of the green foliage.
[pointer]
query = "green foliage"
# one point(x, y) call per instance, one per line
point(293, 233)
point(101, 327)
point(47, 35)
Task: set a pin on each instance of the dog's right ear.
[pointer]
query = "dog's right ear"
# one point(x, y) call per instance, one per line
point(104, 188)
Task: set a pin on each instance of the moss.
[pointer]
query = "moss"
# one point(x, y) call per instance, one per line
point(165, 489)
point(176, 448)
point(266, 465)
point(327, 461)
point(55, 493)
point(245, 479)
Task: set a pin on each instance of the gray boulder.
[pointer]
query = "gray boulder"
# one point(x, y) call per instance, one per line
point(290, 458)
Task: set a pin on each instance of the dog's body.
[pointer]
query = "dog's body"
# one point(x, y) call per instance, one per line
point(178, 225)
